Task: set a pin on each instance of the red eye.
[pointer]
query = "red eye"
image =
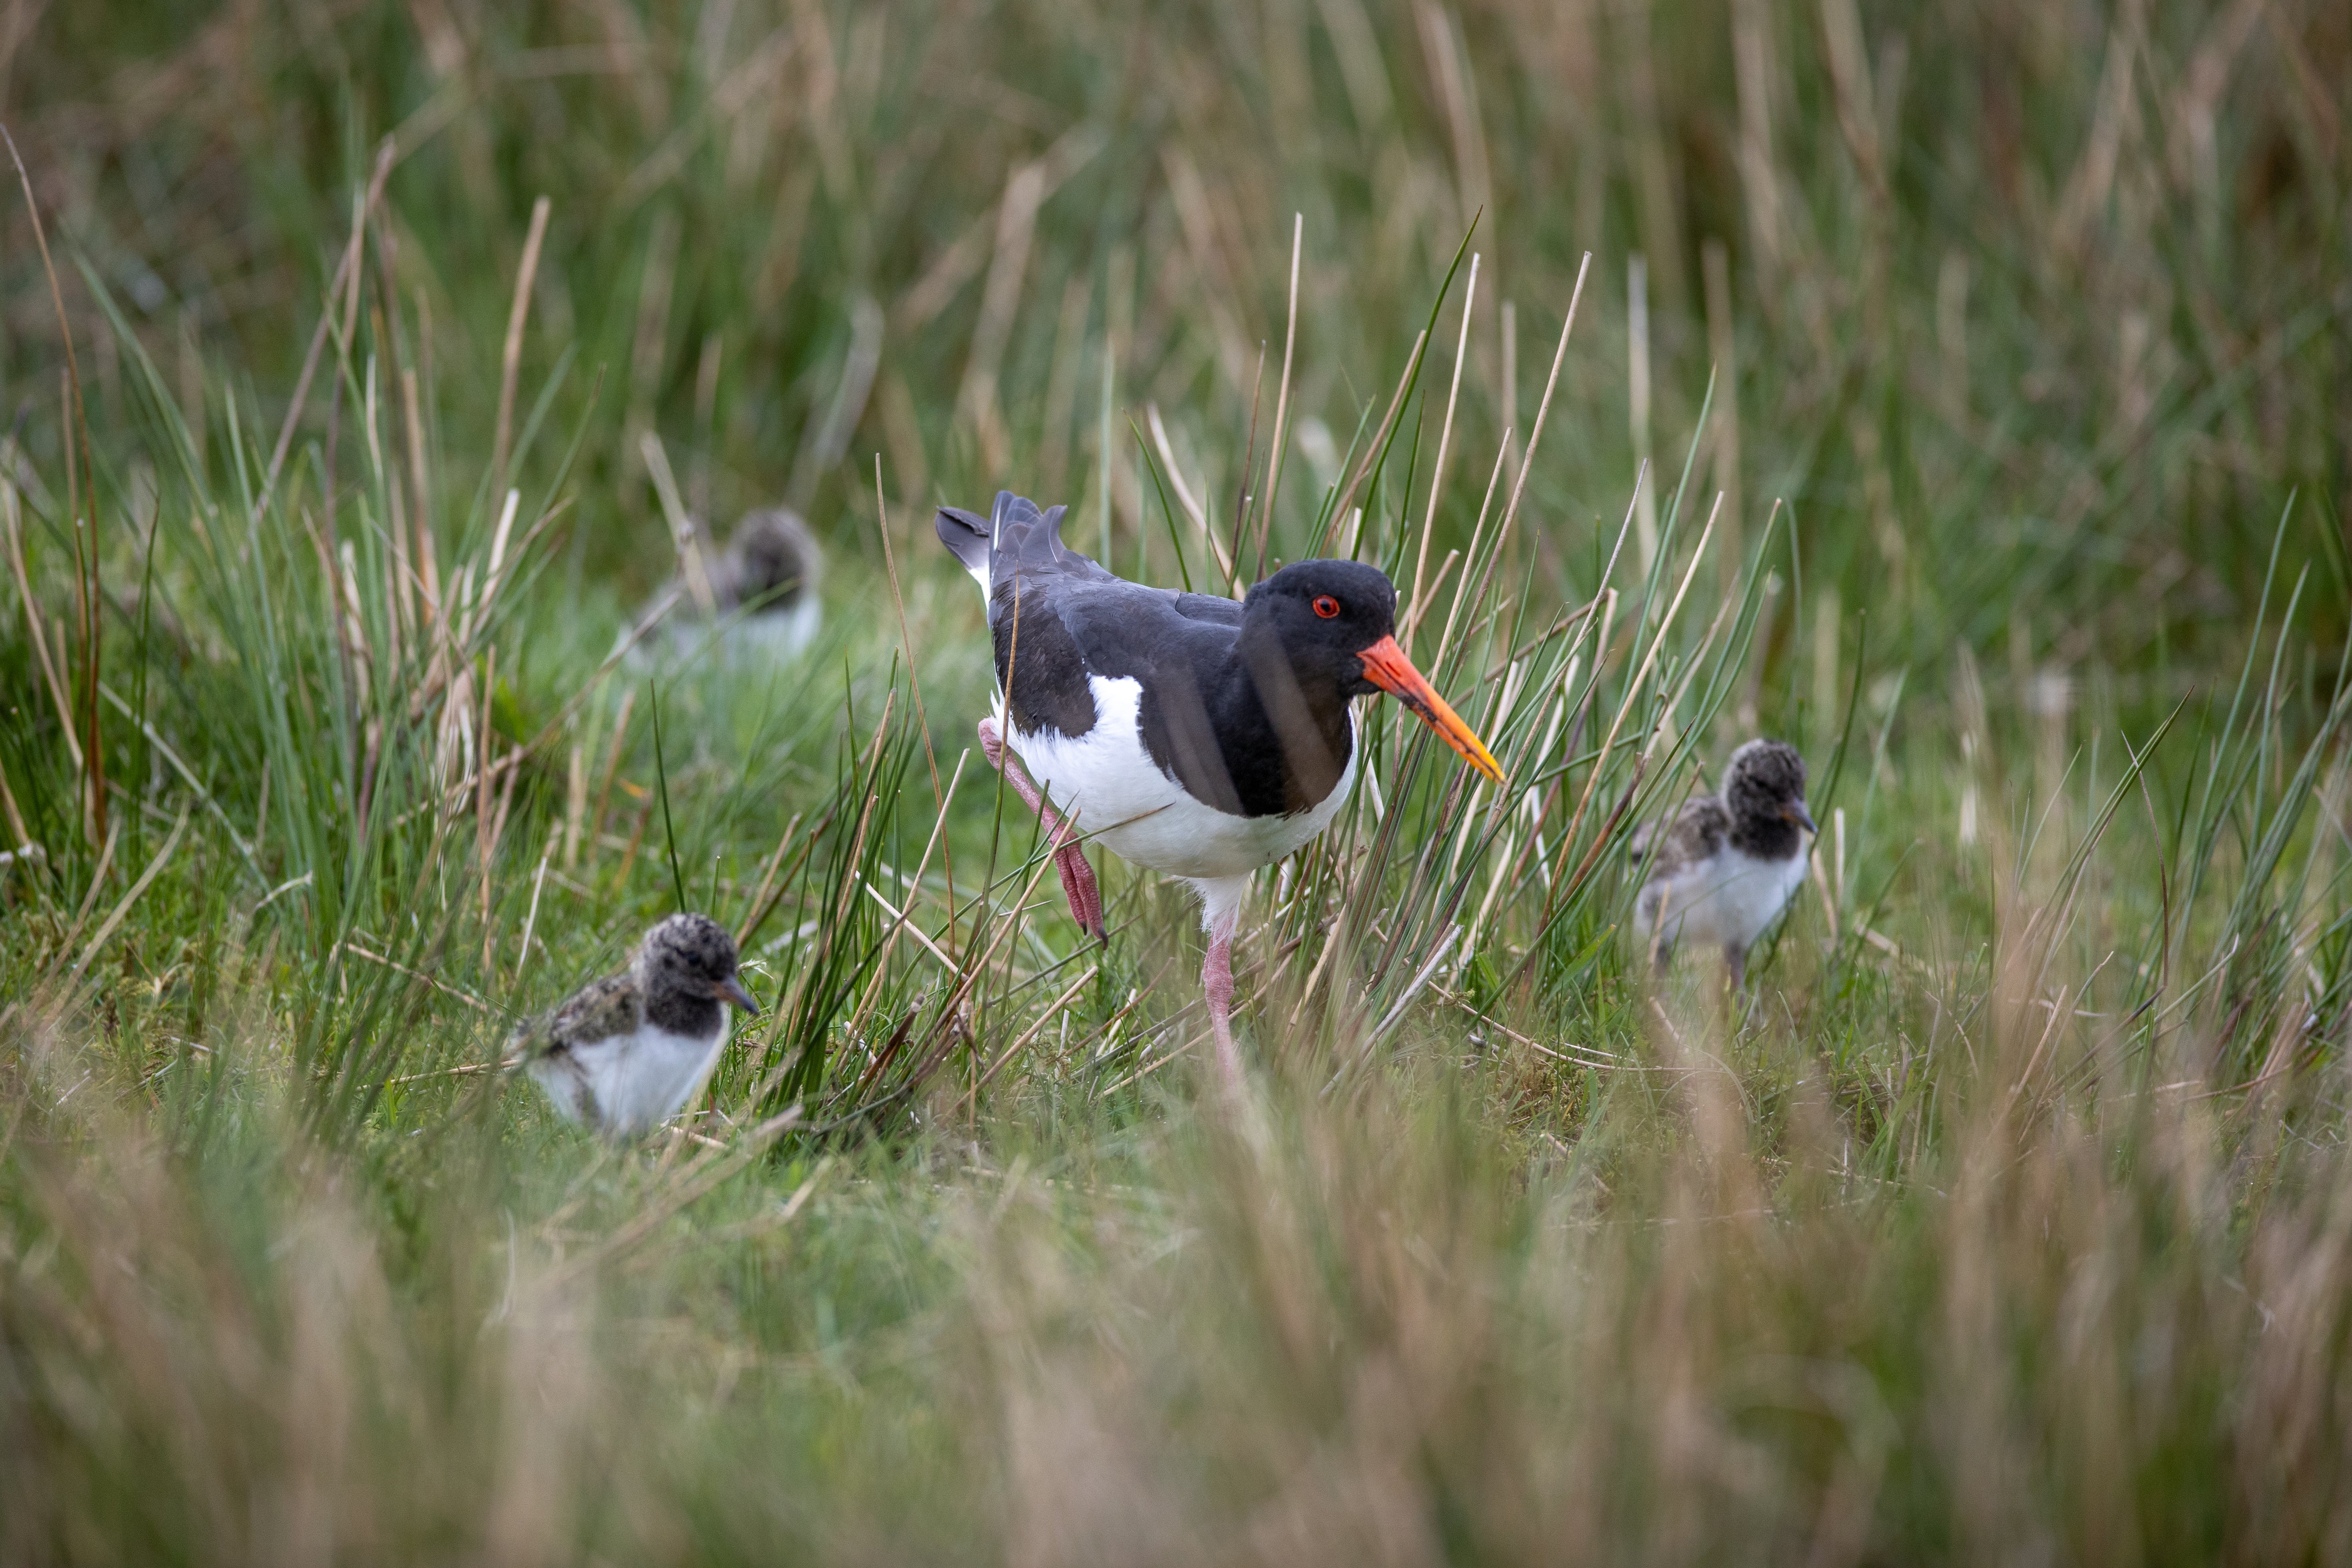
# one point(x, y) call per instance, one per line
point(1327, 606)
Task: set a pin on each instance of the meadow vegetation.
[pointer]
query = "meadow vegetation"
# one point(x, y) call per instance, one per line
point(1959, 393)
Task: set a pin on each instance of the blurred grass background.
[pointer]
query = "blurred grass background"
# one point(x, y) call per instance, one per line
point(2009, 1220)
point(2033, 302)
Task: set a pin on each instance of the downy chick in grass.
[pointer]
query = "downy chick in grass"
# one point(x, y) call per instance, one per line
point(627, 1052)
point(1727, 864)
point(764, 606)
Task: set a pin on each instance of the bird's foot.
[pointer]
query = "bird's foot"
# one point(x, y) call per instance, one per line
point(1079, 887)
point(991, 744)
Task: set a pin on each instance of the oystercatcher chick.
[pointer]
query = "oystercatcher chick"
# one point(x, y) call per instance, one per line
point(1727, 864)
point(628, 1051)
point(764, 606)
point(1197, 736)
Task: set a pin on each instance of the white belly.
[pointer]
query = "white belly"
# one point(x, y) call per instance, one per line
point(1123, 800)
point(775, 635)
point(750, 642)
point(631, 1082)
point(1727, 901)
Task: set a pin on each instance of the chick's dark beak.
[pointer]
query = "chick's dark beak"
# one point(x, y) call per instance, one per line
point(1803, 818)
point(731, 988)
point(1386, 667)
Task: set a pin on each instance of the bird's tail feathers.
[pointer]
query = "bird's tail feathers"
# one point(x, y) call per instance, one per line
point(1018, 532)
point(971, 537)
point(1027, 534)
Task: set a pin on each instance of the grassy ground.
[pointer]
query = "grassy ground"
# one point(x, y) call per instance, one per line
point(1958, 394)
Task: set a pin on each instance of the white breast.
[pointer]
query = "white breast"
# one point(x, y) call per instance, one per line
point(631, 1082)
point(744, 643)
point(775, 635)
point(1728, 900)
point(1124, 801)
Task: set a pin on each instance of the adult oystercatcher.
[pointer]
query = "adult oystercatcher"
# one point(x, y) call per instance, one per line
point(1727, 864)
point(1197, 736)
point(626, 1053)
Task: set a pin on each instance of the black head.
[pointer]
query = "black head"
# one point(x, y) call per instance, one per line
point(775, 557)
point(1765, 788)
point(691, 957)
point(1335, 623)
point(1326, 613)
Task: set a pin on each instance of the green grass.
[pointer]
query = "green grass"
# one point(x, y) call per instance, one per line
point(2005, 1219)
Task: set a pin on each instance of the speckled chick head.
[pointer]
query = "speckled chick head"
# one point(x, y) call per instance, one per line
point(775, 559)
point(688, 956)
point(1765, 790)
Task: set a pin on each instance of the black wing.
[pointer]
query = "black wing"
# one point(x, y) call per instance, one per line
point(1210, 608)
point(1203, 718)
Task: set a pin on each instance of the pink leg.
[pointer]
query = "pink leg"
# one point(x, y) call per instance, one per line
point(1217, 986)
point(1069, 857)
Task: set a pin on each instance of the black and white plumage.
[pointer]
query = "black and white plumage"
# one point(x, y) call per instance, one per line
point(626, 1053)
point(1727, 864)
point(1198, 736)
point(762, 589)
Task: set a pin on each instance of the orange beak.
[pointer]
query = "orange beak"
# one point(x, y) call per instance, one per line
point(1386, 667)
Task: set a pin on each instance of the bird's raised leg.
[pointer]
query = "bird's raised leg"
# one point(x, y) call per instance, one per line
point(1069, 857)
point(1217, 987)
point(1736, 958)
